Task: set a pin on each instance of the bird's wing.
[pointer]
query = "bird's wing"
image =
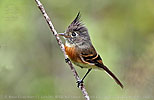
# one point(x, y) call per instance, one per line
point(92, 58)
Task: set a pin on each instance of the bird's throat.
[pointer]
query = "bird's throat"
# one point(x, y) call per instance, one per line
point(69, 44)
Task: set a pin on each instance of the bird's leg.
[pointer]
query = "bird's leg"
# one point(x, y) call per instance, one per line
point(81, 81)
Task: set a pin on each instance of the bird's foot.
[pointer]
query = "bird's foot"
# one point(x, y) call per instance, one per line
point(79, 82)
point(67, 60)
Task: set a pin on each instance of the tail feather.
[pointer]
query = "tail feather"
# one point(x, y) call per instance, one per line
point(111, 74)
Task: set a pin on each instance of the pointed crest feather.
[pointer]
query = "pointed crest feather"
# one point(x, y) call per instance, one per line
point(77, 25)
point(77, 19)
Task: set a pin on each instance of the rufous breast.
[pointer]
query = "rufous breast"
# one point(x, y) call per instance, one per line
point(72, 53)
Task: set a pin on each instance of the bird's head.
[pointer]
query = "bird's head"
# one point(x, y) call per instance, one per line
point(76, 33)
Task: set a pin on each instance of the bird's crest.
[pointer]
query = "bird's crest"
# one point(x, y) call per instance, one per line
point(76, 24)
point(77, 19)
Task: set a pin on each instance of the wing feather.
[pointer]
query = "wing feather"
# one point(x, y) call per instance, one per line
point(95, 59)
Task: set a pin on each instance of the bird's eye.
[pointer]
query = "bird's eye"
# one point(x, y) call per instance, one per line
point(74, 34)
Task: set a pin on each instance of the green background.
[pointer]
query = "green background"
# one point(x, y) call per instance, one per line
point(32, 65)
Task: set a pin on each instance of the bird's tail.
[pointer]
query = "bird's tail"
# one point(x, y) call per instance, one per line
point(111, 74)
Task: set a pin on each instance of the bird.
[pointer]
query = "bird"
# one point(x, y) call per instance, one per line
point(80, 50)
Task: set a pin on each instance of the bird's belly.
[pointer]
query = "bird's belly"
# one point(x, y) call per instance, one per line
point(83, 65)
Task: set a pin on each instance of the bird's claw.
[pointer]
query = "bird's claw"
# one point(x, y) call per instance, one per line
point(79, 82)
point(67, 60)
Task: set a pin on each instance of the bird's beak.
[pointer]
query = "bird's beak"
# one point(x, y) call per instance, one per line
point(61, 34)
point(64, 35)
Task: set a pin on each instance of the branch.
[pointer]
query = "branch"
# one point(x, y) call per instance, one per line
point(82, 87)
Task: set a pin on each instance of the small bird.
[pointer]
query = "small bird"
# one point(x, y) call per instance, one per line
point(80, 50)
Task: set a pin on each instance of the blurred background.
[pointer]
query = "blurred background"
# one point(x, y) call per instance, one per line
point(32, 65)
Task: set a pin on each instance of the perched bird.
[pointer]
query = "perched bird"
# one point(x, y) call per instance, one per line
point(80, 50)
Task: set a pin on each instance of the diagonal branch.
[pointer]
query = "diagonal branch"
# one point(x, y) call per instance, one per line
point(82, 87)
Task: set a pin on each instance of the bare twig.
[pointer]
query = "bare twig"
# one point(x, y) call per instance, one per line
point(82, 87)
